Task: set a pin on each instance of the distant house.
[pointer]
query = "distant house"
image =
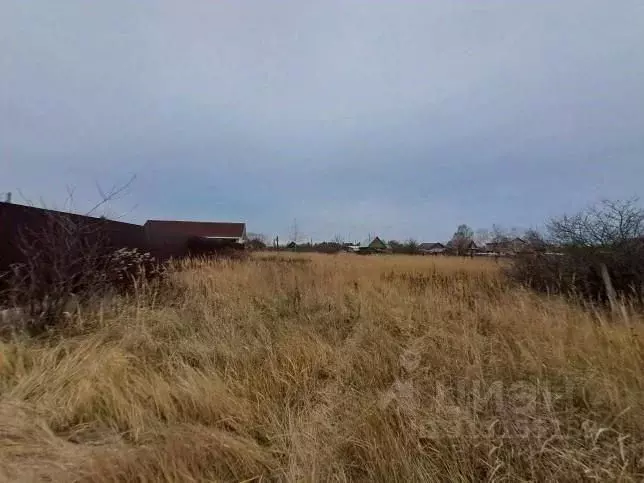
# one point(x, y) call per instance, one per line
point(378, 246)
point(508, 247)
point(291, 245)
point(431, 248)
point(168, 238)
point(375, 245)
point(468, 249)
point(351, 247)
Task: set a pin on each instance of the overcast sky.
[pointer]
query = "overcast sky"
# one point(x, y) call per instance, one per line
point(397, 118)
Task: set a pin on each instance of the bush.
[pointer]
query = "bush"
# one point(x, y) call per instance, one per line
point(42, 294)
point(67, 262)
point(581, 273)
point(256, 244)
point(600, 255)
point(125, 265)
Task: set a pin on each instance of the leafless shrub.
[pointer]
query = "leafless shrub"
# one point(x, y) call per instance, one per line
point(256, 241)
point(127, 264)
point(606, 224)
point(62, 258)
point(68, 261)
point(604, 242)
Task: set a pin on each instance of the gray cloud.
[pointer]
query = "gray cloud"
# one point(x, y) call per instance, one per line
point(405, 118)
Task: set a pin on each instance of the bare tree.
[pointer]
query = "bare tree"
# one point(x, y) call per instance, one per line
point(483, 236)
point(257, 241)
point(515, 232)
point(535, 239)
point(257, 237)
point(396, 246)
point(600, 255)
point(499, 234)
point(411, 246)
point(605, 224)
point(462, 239)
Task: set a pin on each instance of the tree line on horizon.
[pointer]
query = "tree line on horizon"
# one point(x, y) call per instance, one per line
point(599, 224)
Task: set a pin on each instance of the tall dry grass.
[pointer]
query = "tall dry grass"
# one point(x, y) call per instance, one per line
point(320, 368)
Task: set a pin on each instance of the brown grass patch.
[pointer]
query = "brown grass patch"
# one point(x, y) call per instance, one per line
point(315, 368)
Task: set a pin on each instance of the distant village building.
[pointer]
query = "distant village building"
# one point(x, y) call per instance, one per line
point(376, 246)
point(468, 248)
point(511, 247)
point(351, 247)
point(432, 248)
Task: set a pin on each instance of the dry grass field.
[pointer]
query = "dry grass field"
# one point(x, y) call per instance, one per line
point(327, 368)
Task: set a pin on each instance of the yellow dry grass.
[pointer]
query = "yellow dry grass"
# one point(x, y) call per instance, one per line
point(327, 368)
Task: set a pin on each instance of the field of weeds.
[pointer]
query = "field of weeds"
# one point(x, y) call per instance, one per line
point(327, 368)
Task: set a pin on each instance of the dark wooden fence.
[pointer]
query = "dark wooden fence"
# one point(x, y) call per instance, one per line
point(17, 221)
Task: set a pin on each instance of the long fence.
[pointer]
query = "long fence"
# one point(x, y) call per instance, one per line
point(19, 221)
